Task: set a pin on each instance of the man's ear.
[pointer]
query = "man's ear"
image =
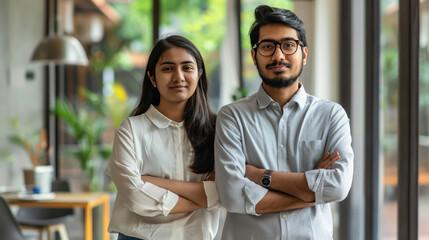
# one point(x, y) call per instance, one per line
point(304, 55)
point(152, 79)
point(253, 52)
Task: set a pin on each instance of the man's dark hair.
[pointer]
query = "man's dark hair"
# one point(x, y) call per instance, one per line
point(265, 15)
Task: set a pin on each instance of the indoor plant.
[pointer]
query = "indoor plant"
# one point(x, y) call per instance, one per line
point(35, 144)
point(87, 124)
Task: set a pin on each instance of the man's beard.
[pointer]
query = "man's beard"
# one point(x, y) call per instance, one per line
point(280, 82)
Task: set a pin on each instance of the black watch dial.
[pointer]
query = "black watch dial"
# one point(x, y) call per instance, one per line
point(266, 181)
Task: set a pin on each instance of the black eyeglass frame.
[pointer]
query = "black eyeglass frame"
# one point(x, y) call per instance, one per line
point(298, 43)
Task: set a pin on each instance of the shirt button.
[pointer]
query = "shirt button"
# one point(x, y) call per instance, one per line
point(281, 145)
point(281, 120)
point(284, 215)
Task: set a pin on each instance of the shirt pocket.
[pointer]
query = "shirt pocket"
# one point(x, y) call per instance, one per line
point(309, 153)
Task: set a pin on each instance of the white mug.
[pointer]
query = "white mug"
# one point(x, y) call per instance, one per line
point(43, 178)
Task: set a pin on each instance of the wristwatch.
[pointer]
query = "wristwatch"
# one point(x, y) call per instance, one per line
point(266, 179)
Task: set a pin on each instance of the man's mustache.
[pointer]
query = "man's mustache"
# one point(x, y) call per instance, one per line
point(275, 63)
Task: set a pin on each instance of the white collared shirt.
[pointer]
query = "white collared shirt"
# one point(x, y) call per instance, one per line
point(152, 144)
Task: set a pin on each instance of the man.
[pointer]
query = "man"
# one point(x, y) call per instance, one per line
point(281, 132)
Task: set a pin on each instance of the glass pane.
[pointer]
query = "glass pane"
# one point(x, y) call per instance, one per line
point(423, 122)
point(251, 78)
point(388, 119)
point(204, 23)
point(117, 59)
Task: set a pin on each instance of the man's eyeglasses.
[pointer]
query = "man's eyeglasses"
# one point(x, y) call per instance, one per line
point(268, 47)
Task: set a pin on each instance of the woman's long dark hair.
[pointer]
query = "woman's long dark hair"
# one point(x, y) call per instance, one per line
point(198, 117)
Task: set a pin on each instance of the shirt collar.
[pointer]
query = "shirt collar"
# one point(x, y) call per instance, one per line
point(263, 99)
point(161, 121)
point(300, 96)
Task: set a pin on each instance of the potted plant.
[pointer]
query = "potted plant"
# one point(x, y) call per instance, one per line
point(35, 144)
point(87, 124)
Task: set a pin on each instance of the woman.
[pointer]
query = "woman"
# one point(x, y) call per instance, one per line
point(163, 153)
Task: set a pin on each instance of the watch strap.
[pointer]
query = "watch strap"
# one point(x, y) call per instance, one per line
point(268, 173)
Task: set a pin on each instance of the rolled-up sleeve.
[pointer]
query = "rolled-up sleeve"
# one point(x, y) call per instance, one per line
point(331, 185)
point(237, 193)
point(140, 197)
point(212, 195)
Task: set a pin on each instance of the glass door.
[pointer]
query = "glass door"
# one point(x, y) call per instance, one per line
point(388, 119)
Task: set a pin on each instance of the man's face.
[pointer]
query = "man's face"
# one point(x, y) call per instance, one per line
point(279, 70)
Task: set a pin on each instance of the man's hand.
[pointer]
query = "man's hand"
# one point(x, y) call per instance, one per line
point(327, 160)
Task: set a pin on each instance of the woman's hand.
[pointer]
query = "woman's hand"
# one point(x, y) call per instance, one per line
point(211, 176)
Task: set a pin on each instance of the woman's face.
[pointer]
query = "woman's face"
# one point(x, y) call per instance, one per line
point(176, 76)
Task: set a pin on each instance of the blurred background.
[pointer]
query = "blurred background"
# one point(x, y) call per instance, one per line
point(370, 56)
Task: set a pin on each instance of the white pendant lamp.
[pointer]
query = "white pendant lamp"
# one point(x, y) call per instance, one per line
point(59, 49)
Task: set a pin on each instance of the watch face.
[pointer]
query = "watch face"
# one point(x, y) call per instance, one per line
point(266, 181)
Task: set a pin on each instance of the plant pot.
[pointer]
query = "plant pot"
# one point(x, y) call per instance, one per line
point(29, 179)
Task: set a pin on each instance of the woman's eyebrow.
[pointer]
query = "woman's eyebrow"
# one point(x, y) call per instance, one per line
point(173, 63)
point(167, 63)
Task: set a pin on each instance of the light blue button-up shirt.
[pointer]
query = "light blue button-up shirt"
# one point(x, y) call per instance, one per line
point(254, 130)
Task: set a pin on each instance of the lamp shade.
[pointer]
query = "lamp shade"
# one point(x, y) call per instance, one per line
point(60, 49)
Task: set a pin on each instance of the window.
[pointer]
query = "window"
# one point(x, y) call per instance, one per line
point(251, 79)
point(204, 23)
point(423, 198)
point(388, 119)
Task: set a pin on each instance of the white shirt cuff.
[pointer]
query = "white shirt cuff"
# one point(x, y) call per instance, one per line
point(314, 180)
point(253, 193)
point(168, 203)
point(211, 194)
point(166, 199)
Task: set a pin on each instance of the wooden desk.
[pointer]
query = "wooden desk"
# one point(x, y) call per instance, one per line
point(87, 201)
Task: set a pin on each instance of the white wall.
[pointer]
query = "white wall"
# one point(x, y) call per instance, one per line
point(229, 57)
point(326, 49)
point(306, 12)
point(321, 20)
point(21, 28)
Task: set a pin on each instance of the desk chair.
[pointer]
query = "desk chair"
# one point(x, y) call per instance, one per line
point(50, 219)
point(9, 228)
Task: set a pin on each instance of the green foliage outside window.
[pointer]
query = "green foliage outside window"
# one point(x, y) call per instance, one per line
point(133, 34)
point(250, 74)
point(201, 21)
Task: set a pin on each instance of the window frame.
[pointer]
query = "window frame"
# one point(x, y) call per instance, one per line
point(408, 110)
